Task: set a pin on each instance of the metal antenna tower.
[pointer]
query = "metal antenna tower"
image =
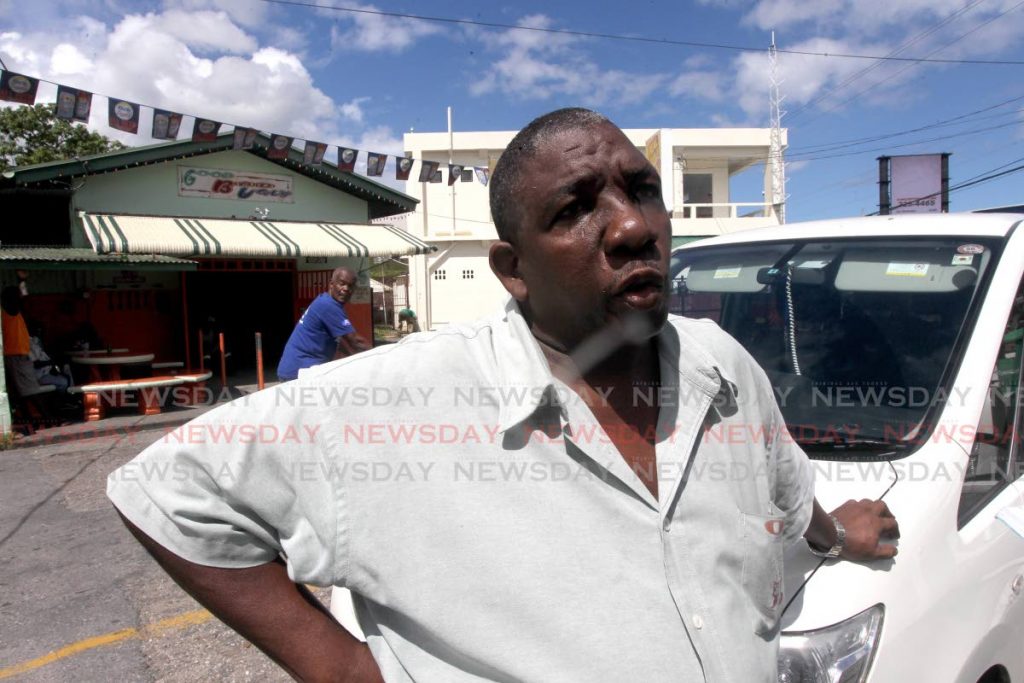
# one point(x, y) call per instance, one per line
point(778, 164)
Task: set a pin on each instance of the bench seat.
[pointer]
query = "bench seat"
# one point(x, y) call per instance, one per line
point(114, 391)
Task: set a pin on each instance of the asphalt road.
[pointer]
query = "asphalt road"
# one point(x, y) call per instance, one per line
point(79, 599)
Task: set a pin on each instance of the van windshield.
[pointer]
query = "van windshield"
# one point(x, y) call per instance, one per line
point(858, 337)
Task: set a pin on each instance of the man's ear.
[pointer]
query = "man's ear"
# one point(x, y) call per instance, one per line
point(504, 260)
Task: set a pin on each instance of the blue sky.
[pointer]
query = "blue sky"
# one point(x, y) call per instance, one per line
point(362, 79)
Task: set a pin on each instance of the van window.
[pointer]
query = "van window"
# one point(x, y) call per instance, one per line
point(995, 456)
point(858, 337)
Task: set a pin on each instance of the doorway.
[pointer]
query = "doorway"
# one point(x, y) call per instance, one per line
point(239, 304)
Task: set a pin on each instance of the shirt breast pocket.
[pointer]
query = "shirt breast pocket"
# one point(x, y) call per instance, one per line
point(761, 538)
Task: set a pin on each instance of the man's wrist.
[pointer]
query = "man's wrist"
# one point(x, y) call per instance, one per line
point(837, 545)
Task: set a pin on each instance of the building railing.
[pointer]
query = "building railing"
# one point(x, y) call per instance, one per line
point(725, 210)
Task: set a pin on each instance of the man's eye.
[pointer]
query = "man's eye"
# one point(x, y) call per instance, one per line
point(648, 192)
point(569, 211)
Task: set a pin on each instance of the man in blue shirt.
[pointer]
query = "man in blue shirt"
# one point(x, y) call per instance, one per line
point(323, 332)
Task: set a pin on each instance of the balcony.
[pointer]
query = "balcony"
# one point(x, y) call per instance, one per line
point(725, 210)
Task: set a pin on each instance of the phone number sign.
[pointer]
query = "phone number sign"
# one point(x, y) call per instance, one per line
point(220, 183)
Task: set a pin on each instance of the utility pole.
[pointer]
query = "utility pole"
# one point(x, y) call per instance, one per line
point(778, 164)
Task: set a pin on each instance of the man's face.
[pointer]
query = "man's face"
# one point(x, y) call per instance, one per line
point(342, 286)
point(594, 236)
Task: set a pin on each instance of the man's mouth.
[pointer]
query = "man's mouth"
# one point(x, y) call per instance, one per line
point(642, 289)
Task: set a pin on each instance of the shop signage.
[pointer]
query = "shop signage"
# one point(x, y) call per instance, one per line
point(221, 183)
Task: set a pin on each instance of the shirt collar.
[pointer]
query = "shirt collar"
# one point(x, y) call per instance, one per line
point(522, 366)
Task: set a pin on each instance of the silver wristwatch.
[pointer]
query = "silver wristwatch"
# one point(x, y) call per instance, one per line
point(837, 547)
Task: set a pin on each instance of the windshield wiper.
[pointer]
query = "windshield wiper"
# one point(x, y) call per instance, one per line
point(839, 439)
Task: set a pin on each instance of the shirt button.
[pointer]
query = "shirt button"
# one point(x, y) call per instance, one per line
point(698, 623)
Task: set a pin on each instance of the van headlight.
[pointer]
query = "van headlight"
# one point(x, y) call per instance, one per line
point(836, 654)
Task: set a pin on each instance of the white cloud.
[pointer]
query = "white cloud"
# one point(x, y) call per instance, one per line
point(353, 109)
point(205, 30)
point(216, 70)
point(360, 31)
point(244, 12)
point(536, 65)
point(68, 59)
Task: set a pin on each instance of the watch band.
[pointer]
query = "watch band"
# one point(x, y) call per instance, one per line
point(837, 548)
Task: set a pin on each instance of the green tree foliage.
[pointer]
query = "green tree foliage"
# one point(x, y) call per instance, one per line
point(34, 135)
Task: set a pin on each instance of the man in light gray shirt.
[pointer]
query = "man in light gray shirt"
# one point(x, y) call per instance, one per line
point(505, 500)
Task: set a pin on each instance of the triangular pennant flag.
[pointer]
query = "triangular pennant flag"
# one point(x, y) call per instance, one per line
point(427, 170)
point(166, 124)
point(17, 88)
point(436, 177)
point(205, 130)
point(347, 158)
point(313, 154)
point(279, 146)
point(375, 163)
point(123, 115)
point(73, 104)
point(403, 166)
point(482, 174)
point(454, 171)
point(244, 138)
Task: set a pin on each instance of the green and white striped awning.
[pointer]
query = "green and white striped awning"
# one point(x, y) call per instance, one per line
point(232, 238)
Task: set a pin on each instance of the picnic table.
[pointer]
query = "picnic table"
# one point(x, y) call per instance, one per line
point(107, 366)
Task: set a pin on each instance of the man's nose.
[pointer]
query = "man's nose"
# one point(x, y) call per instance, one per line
point(628, 231)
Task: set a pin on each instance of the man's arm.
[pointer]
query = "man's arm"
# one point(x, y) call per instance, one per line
point(867, 524)
point(279, 617)
point(349, 345)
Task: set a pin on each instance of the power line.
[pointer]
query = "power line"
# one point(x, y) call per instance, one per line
point(916, 62)
point(839, 144)
point(635, 39)
point(877, 64)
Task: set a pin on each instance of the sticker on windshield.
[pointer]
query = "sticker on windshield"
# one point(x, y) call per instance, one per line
point(727, 273)
point(907, 269)
point(970, 249)
point(962, 259)
point(812, 264)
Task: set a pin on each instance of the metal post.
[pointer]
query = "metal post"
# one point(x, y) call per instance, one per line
point(883, 186)
point(945, 182)
point(259, 361)
point(184, 318)
point(202, 357)
point(223, 362)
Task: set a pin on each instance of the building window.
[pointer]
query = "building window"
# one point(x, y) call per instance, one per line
point(439, 274)
point(467, 275)
point(467, 175)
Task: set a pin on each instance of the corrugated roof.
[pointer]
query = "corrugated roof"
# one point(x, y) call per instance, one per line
point(327, 173)
point(69, 256)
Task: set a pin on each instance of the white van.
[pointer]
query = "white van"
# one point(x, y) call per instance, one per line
point(894, 346)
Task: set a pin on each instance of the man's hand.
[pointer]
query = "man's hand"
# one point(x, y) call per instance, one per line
point(867, 524)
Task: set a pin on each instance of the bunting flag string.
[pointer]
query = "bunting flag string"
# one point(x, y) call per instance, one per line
point(427, 170)
point(454, 173)
point(74, 104)
point(347, 158)
point(375, 163)
point(123, 115)
point(403, 166)
point(313, 154)
point(205, 130)
point(165, 124)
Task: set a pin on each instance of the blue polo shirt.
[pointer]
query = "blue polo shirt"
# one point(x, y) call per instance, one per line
point(315, 337)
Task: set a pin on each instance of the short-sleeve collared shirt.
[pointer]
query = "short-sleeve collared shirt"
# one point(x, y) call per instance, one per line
point(315, 337)
point(486, 524)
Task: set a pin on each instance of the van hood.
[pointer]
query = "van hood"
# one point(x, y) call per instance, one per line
point(920, 493)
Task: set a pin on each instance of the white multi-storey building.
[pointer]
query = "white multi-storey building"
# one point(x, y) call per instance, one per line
point(455, 283)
